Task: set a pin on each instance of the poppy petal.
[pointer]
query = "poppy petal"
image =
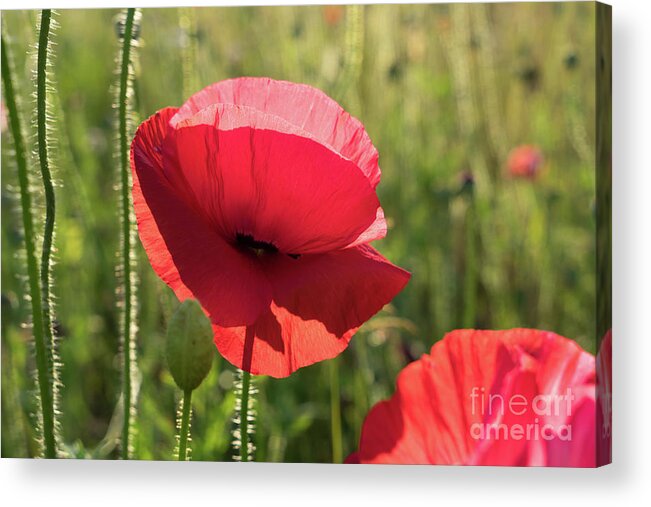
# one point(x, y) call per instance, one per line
point(183, 249)
point(433, 404)
point(281, 189)
point(319, 303)
point(604, 399)
point(300, 105)
point(580, 450)
point(390, 435)
point(440, 410)
point(377, 230)
point(352, 459)
point(516, 378)
point(230, 117)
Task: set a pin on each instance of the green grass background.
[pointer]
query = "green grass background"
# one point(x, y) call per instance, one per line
point(443, 91)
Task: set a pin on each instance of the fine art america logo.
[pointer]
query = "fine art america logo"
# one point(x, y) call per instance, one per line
point(517, 417)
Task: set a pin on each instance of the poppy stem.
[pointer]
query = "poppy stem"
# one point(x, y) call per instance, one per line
point(50, 204)
point(244, 417)
point(44, 379)
point(246, 414)
point(184, 430)
point(335, 412)
point(128, 345)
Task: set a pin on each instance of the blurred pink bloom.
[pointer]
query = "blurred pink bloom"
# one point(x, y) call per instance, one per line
point(3, 116)
point(525, 161)
point(333, 14)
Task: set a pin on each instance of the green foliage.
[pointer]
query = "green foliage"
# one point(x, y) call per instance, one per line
point(443, 90)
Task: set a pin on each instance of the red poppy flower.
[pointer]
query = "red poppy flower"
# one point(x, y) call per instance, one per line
point(524, 162)
point(257, 198)
point(521, 397)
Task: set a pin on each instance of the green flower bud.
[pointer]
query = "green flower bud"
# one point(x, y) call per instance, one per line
point(190, 348)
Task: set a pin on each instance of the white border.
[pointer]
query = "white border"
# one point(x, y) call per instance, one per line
point(626, 482)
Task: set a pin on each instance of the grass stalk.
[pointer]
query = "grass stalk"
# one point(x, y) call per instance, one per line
point(353, 54)
point(128, 327)
point(188, 27)
point(46, 175)
point(335, 411)
point(44, 379)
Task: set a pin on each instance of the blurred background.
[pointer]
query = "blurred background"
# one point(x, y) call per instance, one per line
point(483, 116)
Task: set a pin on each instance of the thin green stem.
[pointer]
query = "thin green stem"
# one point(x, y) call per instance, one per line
point(50, 203)
point(335, 412)
point(188, 26)
point(353, 52)
point(186, 414)
point(247, 358)
point(43, 372)
point(244, 417)
point(361, 382)
point(127, 345)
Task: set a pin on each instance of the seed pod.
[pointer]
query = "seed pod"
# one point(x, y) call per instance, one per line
point(189, 348)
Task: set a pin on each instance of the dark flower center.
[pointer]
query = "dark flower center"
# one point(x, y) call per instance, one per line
point(259, 248)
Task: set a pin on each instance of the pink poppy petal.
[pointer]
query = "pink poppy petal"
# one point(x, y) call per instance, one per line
point(300, 105)
point(577, 449)
point(444, 401)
